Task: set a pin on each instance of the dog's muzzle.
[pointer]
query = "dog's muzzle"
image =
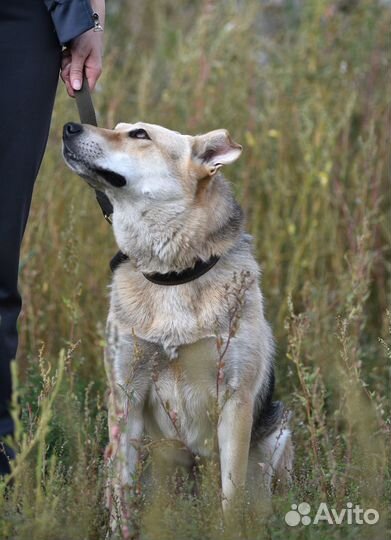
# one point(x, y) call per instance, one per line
point(71, 140)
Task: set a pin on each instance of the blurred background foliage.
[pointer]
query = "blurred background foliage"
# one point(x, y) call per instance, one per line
point(304, 86)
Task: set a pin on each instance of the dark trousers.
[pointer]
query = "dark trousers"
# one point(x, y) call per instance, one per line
point(29, 67)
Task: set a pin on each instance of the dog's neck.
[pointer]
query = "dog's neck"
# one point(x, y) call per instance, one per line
point(173, 236)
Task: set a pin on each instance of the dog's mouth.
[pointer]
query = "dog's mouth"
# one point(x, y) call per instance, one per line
point(111, 177)
point(90, 171)
point(70, 155)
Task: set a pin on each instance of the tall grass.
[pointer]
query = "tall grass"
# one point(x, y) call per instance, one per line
point(303, 87)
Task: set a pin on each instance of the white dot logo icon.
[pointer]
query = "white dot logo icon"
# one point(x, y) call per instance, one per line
point(292, 518)
point(298, 514)
point(304, 509)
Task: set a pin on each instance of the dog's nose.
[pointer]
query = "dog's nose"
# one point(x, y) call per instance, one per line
point(71, 129)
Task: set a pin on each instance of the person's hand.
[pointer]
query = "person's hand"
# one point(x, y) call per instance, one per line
point(83, 55)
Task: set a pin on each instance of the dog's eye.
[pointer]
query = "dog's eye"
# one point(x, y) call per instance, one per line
point(139, 134)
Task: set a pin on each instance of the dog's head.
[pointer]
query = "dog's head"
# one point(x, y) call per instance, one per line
point(141, 160)
point(166, 195)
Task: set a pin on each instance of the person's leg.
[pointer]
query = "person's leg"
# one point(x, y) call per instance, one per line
point(29, 67)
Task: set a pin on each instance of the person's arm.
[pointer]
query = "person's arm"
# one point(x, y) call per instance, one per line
point(70, 18)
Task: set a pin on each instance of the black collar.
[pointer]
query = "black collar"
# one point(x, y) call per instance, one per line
point(171, 278)
point(189, 274)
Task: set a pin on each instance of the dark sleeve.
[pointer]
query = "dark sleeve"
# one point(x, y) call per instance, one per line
point(70, 18)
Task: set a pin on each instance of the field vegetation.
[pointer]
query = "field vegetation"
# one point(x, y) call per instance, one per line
point(304, 86)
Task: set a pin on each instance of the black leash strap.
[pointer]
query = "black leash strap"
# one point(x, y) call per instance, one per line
point(85, 105)
point(88, 116)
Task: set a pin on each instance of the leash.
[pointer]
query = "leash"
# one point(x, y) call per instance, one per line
point(88, 116)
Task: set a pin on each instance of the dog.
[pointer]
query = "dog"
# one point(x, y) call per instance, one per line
point(189, 354)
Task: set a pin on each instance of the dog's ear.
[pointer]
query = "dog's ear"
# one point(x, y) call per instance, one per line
point(215, 149)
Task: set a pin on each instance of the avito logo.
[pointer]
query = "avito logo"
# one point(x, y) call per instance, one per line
point(299, 514)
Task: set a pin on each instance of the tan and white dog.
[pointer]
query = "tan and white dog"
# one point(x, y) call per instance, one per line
point(186, 323)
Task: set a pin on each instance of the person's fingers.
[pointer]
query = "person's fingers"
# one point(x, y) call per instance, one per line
point(65, 61)
point(65, 76)
point(70, 91)
point(93, 72)
point(69, 88)
point(65, 70)
point(93, 67)
point(76, 74)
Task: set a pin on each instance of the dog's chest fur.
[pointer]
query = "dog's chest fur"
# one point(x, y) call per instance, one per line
point(166, 315)
point(182, 397)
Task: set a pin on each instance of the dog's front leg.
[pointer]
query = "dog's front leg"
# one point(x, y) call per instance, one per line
point(234, 434)
point(128, 386)
point(126, 402)
point(126, 430)
point(126, 433)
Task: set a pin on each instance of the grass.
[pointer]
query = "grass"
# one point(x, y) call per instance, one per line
point(304, 90)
